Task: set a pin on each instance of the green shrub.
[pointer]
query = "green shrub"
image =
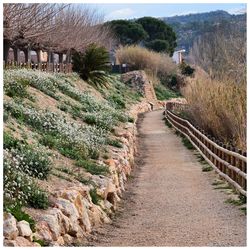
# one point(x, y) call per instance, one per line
point(92, 167)
point(131, 119)
point(72, 151)
point(40, 242)
point(168, 123)
point(63, 107)
point(104, 120)
point(94, 196)
point(117, 101)
point(31, 160)
point(207, 168)
point(38, 198)
point(114, 143)
point(187, 143)
point(20, 215)
point(19, 188)
point(16, 87)
point(186, 69)
point(48, 140)
point(9, 141)
point(163, 93)
point(84, 181)
point(38, 162)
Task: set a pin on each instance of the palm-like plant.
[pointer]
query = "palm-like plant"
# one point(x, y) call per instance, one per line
point(93, 65)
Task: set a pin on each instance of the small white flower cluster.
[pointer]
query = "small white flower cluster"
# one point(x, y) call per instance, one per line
point(45, 82)
point(17, 184)
point(91, 104)
point(103, 120)
point(73, 132)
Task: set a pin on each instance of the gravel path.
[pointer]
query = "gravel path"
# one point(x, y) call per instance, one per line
point(170, 201)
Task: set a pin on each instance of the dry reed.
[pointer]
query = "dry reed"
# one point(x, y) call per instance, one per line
point(141, 58)
point(219, 107)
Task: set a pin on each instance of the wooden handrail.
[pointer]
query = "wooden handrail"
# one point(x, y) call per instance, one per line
point(241, 157)
point(228, 164)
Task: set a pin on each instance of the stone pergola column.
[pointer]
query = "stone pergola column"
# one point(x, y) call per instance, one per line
point(50, 58)
point(6, 46)
point(17, 55)
point(27, 55)
point(60, 57)
point(38, 54)
point(68, 56)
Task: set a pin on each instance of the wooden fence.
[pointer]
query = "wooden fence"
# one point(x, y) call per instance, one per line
point(46, 67)
point(229, 163)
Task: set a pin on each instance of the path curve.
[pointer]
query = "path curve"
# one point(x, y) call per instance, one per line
point(170, 201)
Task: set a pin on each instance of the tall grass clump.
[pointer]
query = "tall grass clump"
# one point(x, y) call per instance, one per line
point(219, 107)
point(138, 58)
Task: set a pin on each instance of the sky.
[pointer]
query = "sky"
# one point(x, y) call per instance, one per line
point(128, 11)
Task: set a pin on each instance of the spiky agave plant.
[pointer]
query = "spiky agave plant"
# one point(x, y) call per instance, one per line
point(93, 65)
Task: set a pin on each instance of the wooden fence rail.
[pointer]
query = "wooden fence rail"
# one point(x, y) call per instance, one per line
point(228, 162)
point(46, 67)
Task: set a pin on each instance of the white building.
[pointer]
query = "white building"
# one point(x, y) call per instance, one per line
point(178, 56)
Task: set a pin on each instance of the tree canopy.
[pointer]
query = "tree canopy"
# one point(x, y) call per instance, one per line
point(128, 32)
point(161, 36)
point(151, 32)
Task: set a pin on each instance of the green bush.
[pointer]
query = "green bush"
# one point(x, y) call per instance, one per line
point(186, 69)
point(20, 215)
point(92, 167)
point(48, 140)
point(114, 143)
point(187, 143)
point(16, 87)
point(104, 120)
point(72, 151)
point(117, 101)
point(131, 119)
point(39, 164)
point(38, 198)
point(32, 161)
point(9, 141)
point(94, 196)
point(163, 93)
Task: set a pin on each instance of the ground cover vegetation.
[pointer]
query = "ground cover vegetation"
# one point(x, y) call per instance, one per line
point(78, 125)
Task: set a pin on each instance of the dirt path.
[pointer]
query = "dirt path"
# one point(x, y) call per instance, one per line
point(170, 201)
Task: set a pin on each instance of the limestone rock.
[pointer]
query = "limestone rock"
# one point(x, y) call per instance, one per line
point(81, 206)
point(53, 224)
point(10, 230)
point(24, 228)
point(67, 239)
point(60, 241)
point(20, 242)
point(43, 232)
point(63, 221)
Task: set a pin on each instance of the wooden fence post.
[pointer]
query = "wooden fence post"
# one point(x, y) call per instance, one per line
point(244, 168)
point(234, 163)
point(230, 160)
point(240, 166)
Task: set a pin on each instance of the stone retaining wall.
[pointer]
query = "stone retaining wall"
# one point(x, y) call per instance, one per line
point(73, 214)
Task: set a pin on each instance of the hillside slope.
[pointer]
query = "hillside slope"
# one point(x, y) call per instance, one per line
point(189, 27)
point(68, 149)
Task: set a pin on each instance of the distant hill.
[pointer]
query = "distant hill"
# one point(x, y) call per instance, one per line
point(189, 27)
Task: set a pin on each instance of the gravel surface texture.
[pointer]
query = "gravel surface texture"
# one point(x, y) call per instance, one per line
point(169, 200)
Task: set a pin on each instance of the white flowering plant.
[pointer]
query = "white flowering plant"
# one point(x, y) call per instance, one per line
point(19, 79)
point(45, 121)
point(20, 188)
point(32, 160)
